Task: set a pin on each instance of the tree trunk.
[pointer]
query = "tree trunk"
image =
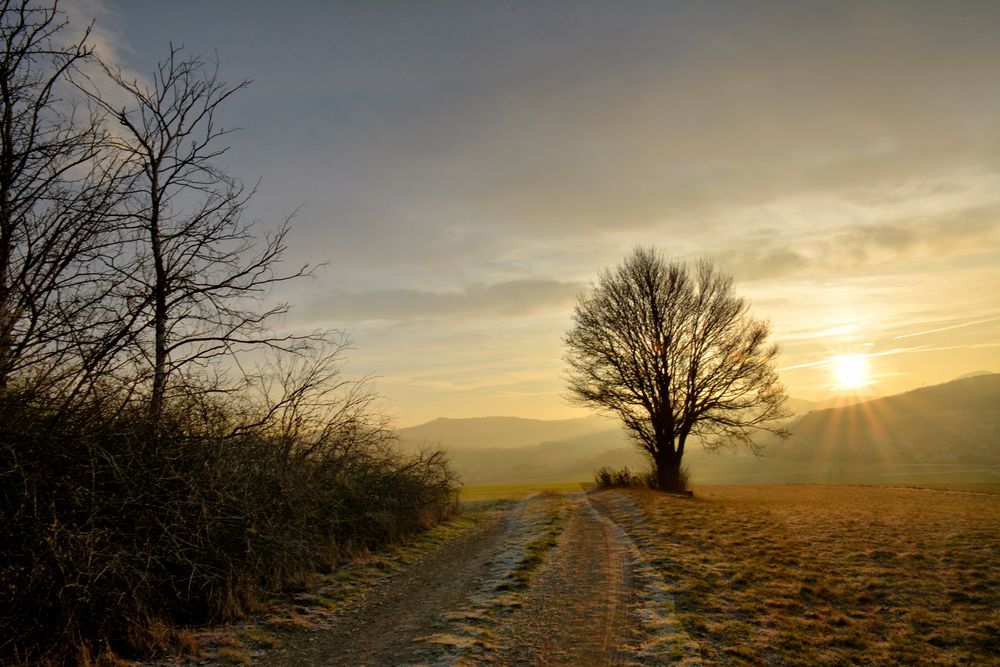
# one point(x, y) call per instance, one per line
point(668, 472)
point(160, 290)
point(7, 317)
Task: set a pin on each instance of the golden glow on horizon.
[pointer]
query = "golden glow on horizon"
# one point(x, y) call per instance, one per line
point(851, 370)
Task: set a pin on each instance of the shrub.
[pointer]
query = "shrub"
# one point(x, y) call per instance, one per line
point(608, 478)
point(113, 530)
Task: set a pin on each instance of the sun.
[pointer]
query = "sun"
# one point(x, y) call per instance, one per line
point(851, 370)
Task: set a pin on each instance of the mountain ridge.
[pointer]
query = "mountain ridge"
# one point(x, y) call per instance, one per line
point(953, 421)
point(944, 432)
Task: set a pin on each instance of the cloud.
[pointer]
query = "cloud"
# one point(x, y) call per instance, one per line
point(506, 299)
point(109, 44)
point(884, 246)
point(842, 160)
point(641, 120)
point(104, 39)
point(938, 327)
point(750, 264)
point(798, 237)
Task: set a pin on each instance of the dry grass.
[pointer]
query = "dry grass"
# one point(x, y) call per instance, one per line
point(557, 514)
point(820, 575)
point(470, 629)
point(516, 491)
point(116, 531)
point(313, 608)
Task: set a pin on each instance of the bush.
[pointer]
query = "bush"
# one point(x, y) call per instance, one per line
point(608, 478)
point(114, 530)
point(624, 478)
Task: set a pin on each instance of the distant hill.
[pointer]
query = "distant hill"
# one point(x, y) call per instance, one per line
point(842, 401)
point(800, 406)
point(573, 459)
point(955, 422)
point(501, 432)
point(494, 450)
point(944, 433)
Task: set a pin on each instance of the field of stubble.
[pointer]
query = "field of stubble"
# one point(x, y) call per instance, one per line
point(813, 575)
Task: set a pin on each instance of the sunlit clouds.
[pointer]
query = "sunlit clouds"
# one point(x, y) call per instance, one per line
point(466, 170)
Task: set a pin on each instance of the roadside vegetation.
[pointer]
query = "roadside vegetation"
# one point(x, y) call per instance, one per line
point(113, 540)
point(168, 456)
point(825, 575)
point(287, 619)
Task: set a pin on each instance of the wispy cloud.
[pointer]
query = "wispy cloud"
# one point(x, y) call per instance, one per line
point(111, 46)
point(108, 44)
point(950, 327)
point(940, 218)
point(505, 299)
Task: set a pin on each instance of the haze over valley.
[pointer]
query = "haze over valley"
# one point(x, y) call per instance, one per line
point(946, 433)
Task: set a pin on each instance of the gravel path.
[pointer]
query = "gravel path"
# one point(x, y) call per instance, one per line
point(551, 581)
point(576, 611)
point(385, 628)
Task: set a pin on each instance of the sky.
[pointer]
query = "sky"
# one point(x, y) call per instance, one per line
point(463, 170)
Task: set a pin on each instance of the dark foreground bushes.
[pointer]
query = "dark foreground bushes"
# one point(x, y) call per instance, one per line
point(175, 456)
point(112, 532)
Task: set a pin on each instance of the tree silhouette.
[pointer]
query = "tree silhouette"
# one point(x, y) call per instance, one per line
point(196, 265)
point(674, 353)
point(57, 186)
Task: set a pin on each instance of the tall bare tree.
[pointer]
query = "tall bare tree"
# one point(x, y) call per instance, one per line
point(197, 264)
point(56, 188)
point(674, 353)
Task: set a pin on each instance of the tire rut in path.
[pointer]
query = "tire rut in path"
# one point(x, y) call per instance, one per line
point(384, 628)
point(577, 608)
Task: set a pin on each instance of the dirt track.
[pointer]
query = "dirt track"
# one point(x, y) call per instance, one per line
point(576, 611)
point(464, 603)
point(386, 627)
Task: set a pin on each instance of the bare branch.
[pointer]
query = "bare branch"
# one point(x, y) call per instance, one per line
point(58, 186)
point(194, 260)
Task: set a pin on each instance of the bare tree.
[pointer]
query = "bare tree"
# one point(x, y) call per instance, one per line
point(674, 354)
point(196, 264)
point(57, 186)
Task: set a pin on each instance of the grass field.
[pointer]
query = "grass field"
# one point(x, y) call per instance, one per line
point(825, 575)
point(517, 491)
